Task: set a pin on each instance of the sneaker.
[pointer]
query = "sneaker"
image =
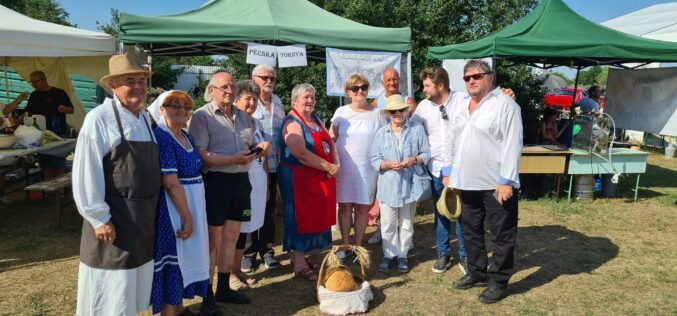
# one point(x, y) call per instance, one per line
point(463, 265)
point(402, 265)
point(386, 264)
point(375, 238)
point(466, 282)
point(493, 293)
point(270, 262)
point(231, 296)
point(246, 264)
point(443, 263)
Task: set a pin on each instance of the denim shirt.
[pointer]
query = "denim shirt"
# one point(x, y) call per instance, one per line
point(394, 186)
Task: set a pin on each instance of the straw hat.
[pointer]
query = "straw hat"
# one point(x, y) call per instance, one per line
point(395, 102)
point(120, 65)
point(449, 204)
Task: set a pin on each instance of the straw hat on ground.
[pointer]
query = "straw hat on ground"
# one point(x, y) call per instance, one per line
point(449, 204)
point(120, 65)
point(395, 102)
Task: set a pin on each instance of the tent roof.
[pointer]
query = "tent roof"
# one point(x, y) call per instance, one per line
point(21, 36)
point(553, 34)
point(219, 25)
point(656, 22)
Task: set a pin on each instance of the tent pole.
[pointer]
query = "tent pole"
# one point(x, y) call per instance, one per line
point(410, 81)
point(6, 84)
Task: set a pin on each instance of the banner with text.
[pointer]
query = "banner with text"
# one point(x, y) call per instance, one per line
point(341, 64)
point(258, 54)
point(292, 56)
point(643, 100)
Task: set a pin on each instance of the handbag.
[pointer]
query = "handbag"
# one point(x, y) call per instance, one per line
point(421, 188)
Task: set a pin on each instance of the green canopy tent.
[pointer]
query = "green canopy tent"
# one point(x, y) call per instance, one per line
point(221, 27)
point(554, 35)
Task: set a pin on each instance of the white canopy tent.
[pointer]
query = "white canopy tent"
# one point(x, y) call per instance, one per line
point(656, 22)
point(27, 45)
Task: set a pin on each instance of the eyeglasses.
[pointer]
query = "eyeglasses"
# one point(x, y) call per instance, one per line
point(266, 78)
point(476, 76)
point(397, 111)
point(444, 113)
point(355, 89)
point(177, 107)
point(224, 88)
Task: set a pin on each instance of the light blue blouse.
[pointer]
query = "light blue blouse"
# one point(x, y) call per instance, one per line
point(394, 187)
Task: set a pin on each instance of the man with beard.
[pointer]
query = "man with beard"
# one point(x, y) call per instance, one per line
point(485, 150)
point(116, 181)
point(223, 136)
point(432, 114)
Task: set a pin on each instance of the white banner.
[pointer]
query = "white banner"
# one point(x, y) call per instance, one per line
point(643, 100)
point(261, 54)
point(341, 64)
point(292, 56)
point(454, 68)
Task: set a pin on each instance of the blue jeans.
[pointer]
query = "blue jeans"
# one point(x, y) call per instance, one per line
point(443, 224)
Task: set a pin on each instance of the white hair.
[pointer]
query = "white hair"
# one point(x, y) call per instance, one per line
point(300, 89)
point(207, 96)
point(261, 68)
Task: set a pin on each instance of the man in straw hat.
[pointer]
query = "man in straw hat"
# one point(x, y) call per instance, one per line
point(116, 180)
point(485, 148)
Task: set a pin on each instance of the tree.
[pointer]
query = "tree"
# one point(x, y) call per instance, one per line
point(590, 76)
point(44, 10)
point(111, 28)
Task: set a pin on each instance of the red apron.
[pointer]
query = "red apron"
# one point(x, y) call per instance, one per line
point(314, 192)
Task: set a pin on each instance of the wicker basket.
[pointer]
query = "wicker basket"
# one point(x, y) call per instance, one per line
point(344, 303)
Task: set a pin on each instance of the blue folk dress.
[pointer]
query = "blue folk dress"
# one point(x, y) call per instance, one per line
point(181, 266)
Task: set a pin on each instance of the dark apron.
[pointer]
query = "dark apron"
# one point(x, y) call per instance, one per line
point(132, 176)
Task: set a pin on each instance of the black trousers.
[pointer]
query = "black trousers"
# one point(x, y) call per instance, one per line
point(266, 234)
point(501, 220)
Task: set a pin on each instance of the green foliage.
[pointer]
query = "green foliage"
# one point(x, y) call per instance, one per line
point(44, 10)
point(527, 88)
point(590, 77)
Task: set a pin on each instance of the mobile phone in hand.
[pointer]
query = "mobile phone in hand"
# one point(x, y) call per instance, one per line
point(496, 197)
point(256, 150)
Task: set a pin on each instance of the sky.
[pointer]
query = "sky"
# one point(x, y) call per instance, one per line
point(85, 13)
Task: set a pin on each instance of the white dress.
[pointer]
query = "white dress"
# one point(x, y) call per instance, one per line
point(356, 181)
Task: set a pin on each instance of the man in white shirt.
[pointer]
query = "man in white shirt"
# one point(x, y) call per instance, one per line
point(485, 149)
point(432, 113)
point(116, 181)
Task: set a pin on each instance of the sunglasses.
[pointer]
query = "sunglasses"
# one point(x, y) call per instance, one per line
point(476, 76)
point(443, 111)
point(355, 89)
point(177, 107)
point(397, 111)
point(266, 78)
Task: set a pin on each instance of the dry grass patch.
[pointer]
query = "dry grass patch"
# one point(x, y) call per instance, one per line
point(607, 257)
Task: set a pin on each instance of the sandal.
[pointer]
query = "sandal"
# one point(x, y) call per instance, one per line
point(237, 284)
point(311, 264)
point(306, 273)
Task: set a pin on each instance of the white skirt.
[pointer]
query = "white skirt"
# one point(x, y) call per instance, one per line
point(259, 195)
point(114, 292)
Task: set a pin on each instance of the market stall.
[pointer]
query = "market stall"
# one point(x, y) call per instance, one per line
point(554, 35)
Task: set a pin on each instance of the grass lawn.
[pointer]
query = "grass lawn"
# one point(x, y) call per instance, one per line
point(605, 257)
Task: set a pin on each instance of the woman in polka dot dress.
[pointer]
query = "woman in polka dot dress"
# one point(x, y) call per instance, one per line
point(181, 242)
